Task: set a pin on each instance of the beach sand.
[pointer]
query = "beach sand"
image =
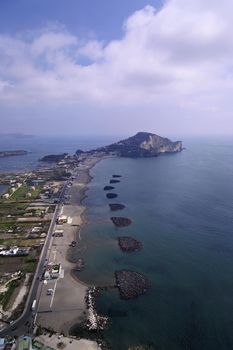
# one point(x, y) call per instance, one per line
point(68, 343)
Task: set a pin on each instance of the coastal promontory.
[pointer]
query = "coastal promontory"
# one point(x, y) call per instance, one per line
point(53, 158)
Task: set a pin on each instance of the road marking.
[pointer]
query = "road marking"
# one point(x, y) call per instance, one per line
point(34, 321)
point(54, 289)
point(54, 254)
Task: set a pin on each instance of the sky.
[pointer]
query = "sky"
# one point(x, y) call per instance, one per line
point(72, 67)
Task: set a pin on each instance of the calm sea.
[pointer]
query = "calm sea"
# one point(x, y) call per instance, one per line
point(3, 188)
point(39, 146)
point(181, 206)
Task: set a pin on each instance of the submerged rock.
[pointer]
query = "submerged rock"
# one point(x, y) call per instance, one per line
point(129, 244)
point(131, 284)
point(80, 264)
point(108, 188)
point(112, 181)
point(116, 206)
point(111, 195)
point(121, 221)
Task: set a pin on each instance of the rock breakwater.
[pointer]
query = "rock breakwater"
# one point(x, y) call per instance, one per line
point(113, 181)
point(116, 206)
point(119, 221)
point(131, 284)
point(129, 244)
point(111, 195)
point(108, 188)
point(94, 321)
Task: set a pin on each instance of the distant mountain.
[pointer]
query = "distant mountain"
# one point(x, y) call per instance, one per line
point(143, 144)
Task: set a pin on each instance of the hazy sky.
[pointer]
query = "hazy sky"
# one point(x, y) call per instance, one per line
point(116, 67)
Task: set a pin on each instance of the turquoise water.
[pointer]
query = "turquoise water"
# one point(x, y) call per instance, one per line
point(182, 211)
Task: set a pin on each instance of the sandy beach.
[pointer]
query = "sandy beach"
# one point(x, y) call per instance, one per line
point(67, 307)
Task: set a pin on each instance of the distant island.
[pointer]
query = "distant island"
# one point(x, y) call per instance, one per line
point(12, 153)
point(143, 144)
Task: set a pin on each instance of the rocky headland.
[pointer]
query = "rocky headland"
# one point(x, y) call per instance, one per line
point(143, 144)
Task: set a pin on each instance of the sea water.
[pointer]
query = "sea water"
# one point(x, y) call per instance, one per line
point(39, 146)
point(3, 189)
point(181, 206)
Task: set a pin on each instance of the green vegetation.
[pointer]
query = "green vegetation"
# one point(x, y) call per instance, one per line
point(5, 296)
point(21, 193)
point(6, 220)
point(25, 264)
point(20, 242)
point(18, 311)
point(30, 267)
point(38, 345)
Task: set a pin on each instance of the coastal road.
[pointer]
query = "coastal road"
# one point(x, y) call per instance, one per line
point(24, 324)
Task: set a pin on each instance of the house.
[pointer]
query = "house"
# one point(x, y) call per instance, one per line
point(53, 271)
point(10, 252)
point(24, 343)
point(62, 219)
point(36, 229)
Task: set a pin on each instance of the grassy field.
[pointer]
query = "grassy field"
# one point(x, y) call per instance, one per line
point(26, 264)
point(20, 242)
point(5, 297)
point(21, 193)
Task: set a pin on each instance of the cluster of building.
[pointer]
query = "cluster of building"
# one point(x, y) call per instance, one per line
point(13, 187)
point(21, 343)
point(62, 219)
point(52, 271)
point(14, 251)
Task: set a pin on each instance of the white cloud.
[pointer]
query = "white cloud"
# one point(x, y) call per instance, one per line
point(180, 56)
